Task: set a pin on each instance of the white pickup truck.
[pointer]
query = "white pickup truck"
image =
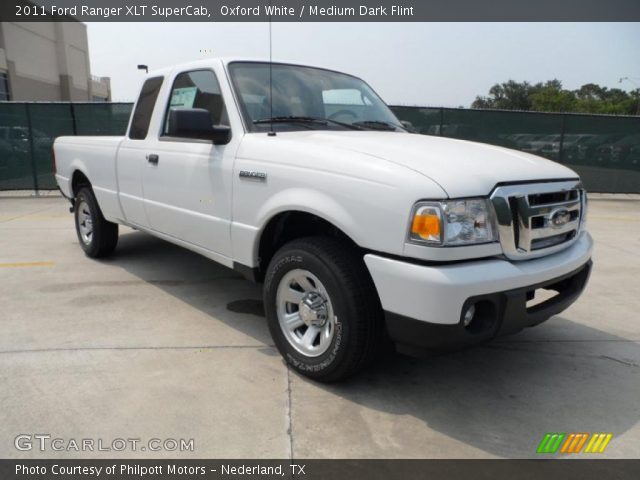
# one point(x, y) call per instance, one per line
point(303, 179)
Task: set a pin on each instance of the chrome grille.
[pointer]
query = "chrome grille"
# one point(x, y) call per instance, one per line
point(538, 219)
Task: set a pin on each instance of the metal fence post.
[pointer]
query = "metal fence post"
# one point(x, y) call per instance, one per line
point(560, 147)
point(73, 119)
point(31, 150)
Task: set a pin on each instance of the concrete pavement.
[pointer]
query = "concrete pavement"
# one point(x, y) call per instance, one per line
point(158, 342)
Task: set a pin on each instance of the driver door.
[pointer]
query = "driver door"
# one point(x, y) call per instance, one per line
point(187, 182)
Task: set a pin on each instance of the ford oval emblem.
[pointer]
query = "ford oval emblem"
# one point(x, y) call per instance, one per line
point(560, 218)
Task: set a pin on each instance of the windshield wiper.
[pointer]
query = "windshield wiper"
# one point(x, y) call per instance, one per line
point(378, 125)
point(307, 120)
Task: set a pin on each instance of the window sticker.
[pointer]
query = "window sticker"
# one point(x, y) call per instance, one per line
point(346, 96)
point(183, 97)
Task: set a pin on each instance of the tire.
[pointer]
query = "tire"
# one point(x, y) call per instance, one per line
point(97, 236)
point(330, 282)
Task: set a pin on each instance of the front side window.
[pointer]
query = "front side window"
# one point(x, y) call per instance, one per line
point(307, 98)
point(198, 89)
point(144, 108)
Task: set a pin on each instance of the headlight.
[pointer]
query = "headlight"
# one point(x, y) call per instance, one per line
point(453, 222)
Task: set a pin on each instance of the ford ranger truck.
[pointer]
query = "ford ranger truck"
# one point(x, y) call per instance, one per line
point(302, 179)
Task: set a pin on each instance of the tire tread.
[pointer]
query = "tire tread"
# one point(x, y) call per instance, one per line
point(347, 263)
point(105, 233)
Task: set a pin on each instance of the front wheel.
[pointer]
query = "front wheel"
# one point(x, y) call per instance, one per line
point(322, 308)
point(98, 237)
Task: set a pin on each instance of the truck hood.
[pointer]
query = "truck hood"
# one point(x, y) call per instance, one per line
point(461, 168)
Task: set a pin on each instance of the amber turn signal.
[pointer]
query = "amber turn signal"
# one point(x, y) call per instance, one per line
point(426, 224)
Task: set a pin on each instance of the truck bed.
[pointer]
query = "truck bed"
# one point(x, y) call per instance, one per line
point(95, 157)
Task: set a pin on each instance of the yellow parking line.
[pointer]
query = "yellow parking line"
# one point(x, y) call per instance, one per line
point(7, 218)
point(27, 264)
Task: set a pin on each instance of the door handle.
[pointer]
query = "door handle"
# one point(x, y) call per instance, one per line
point(153, 158)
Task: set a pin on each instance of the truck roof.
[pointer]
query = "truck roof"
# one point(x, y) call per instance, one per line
point(225, 61)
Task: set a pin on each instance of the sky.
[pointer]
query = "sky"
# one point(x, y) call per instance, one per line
point(427, 64)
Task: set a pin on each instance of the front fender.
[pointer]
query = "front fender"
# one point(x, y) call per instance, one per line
point(246, 239)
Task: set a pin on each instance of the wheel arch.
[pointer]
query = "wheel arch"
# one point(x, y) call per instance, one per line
point(78, 180)
point(288, 225)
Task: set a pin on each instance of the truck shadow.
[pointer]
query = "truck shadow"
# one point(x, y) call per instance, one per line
point(503, 397)
point(500, 398)
point(219, 292)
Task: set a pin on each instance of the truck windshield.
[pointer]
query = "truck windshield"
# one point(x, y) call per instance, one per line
point(306, 98)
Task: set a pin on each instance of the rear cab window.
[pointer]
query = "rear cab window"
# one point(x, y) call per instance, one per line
point(144, 108)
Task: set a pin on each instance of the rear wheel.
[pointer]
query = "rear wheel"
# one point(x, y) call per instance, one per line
point(322, 308)
point(97, 236)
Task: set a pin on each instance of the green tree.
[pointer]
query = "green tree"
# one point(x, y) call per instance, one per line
point(510, 95)
point(591, 91)
point(550, 96)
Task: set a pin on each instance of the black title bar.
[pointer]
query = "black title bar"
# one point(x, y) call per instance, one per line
point(320, 10)
point(321, 469)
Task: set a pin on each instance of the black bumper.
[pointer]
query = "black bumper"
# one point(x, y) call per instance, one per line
point(497, 314)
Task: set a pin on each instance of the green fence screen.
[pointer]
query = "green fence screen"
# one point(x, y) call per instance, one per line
point(27, 132)
point(604, 150)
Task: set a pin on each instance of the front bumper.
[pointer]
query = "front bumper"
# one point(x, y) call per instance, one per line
point(424, 304)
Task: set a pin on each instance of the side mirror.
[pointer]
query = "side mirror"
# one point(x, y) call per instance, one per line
point(196, 123)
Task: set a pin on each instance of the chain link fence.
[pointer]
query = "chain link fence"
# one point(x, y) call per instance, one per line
point(604, 150)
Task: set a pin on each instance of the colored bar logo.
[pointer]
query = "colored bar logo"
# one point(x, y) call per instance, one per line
point(574, 442)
